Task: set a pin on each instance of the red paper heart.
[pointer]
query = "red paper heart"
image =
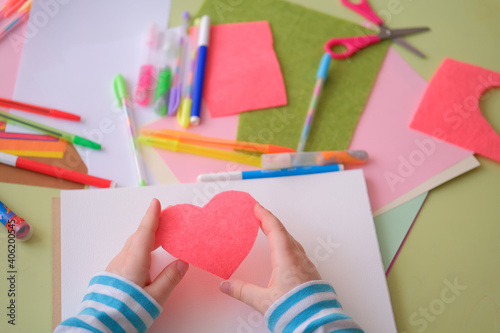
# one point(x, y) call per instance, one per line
point(216, 237)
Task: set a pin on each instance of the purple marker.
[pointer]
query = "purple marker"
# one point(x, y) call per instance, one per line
point(176, 90)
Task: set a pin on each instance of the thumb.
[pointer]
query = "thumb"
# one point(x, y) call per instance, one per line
point(167, 280)
point(245, 292)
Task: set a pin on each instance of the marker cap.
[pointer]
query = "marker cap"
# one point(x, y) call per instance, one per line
point(203, 38)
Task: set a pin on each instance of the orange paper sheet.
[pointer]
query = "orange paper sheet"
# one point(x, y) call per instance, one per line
point(450, 108)
point(50, 149)
point(243, 72)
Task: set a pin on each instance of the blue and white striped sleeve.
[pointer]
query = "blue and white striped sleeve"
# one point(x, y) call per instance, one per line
point(113, 304)
point(310, 307)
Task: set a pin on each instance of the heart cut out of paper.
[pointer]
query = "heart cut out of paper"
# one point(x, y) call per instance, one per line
point(215, 237)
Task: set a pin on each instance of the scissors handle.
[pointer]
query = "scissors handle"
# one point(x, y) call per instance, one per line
point(352, 45)
point(363, 8)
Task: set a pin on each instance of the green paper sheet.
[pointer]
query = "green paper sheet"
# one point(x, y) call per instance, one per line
point(33, 260)
point(299, 37)
point(393, 226)
point(454, 241)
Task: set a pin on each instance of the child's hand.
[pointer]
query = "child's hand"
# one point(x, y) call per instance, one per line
point(291, 266)
point(134, 260)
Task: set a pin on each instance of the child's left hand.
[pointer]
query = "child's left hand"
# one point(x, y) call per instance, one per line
point(134, 260)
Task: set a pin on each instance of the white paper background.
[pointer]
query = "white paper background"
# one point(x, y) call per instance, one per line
point(96, 223)
point(70, 58)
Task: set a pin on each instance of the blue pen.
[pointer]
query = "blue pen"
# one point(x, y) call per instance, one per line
point(200, 69)
point(269, 173)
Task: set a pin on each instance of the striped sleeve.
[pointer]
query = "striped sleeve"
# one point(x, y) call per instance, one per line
point(310, 307)
point(113, 304)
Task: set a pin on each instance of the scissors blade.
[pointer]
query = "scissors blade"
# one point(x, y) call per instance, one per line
point(391, 34)
point(408, 46)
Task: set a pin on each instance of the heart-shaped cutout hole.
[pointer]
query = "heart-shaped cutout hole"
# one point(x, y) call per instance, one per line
point(215, 237)
point(489, 103)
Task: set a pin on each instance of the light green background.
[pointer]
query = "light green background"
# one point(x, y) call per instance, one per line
point(33, 259)
point(455, 235)
point(392, 227)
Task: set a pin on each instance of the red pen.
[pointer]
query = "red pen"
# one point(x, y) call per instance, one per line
point(38, 109)
point(5, 6)
point(51, 170)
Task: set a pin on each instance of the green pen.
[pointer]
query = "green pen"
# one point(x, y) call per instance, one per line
point(121, 94)
point(163, 91)
point(49, 130)
point(165, 77)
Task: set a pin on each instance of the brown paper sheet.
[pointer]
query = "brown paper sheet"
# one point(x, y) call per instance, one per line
point(71, 160)
point(56, 262)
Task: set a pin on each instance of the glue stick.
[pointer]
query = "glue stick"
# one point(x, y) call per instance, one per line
point(15, 224)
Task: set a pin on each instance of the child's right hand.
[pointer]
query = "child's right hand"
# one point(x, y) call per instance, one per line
point(291, 266)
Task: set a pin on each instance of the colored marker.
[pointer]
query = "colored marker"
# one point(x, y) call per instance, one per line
point(203, 39)
point(16, 226)
point(122, 98)
point(54, 171)
point(298, 171)
point(196, 139)
point(164, 84)
point(49, 130)
point(176, 92)
point(5, 6)
point(16, 5)
point(147, 71)
point(38, 109)
point(175, 145)
point(321, 78)
point(184, 112)
point(288, 160)
point(23, 13)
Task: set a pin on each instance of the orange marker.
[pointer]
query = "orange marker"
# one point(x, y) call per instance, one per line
point(290, 160)
point(200, 140)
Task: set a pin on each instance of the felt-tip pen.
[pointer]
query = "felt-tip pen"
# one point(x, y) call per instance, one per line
point(269, 173)
point(288, 160)
point(199, 79)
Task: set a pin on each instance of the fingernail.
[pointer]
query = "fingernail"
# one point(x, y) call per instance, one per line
point(182, 267)
point(225, 287)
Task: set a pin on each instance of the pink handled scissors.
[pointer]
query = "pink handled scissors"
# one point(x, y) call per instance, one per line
point(354, 44)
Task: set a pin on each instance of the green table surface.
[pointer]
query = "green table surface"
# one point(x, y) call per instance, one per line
point(446, 276)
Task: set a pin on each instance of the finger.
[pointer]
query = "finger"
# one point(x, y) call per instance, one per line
point(280, 241)
point(144, 237)
point(247, 293)
point(167, 280)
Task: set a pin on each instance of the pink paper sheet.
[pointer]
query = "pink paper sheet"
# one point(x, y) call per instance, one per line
point(243, 72)
point(400, 158)
point(215, 237)
point(10, 57)
point(450, 108)
point(187, 167)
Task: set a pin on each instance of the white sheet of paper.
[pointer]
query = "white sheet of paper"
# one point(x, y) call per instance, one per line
point(452, 172)
point(329, 214)
point(70, 59)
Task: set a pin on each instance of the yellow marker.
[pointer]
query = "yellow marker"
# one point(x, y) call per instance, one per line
point(184, 112)
point(175, 145)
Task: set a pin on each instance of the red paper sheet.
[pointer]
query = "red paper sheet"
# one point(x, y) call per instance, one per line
point(216, 237)
point(450, 108)
point(242, 72)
